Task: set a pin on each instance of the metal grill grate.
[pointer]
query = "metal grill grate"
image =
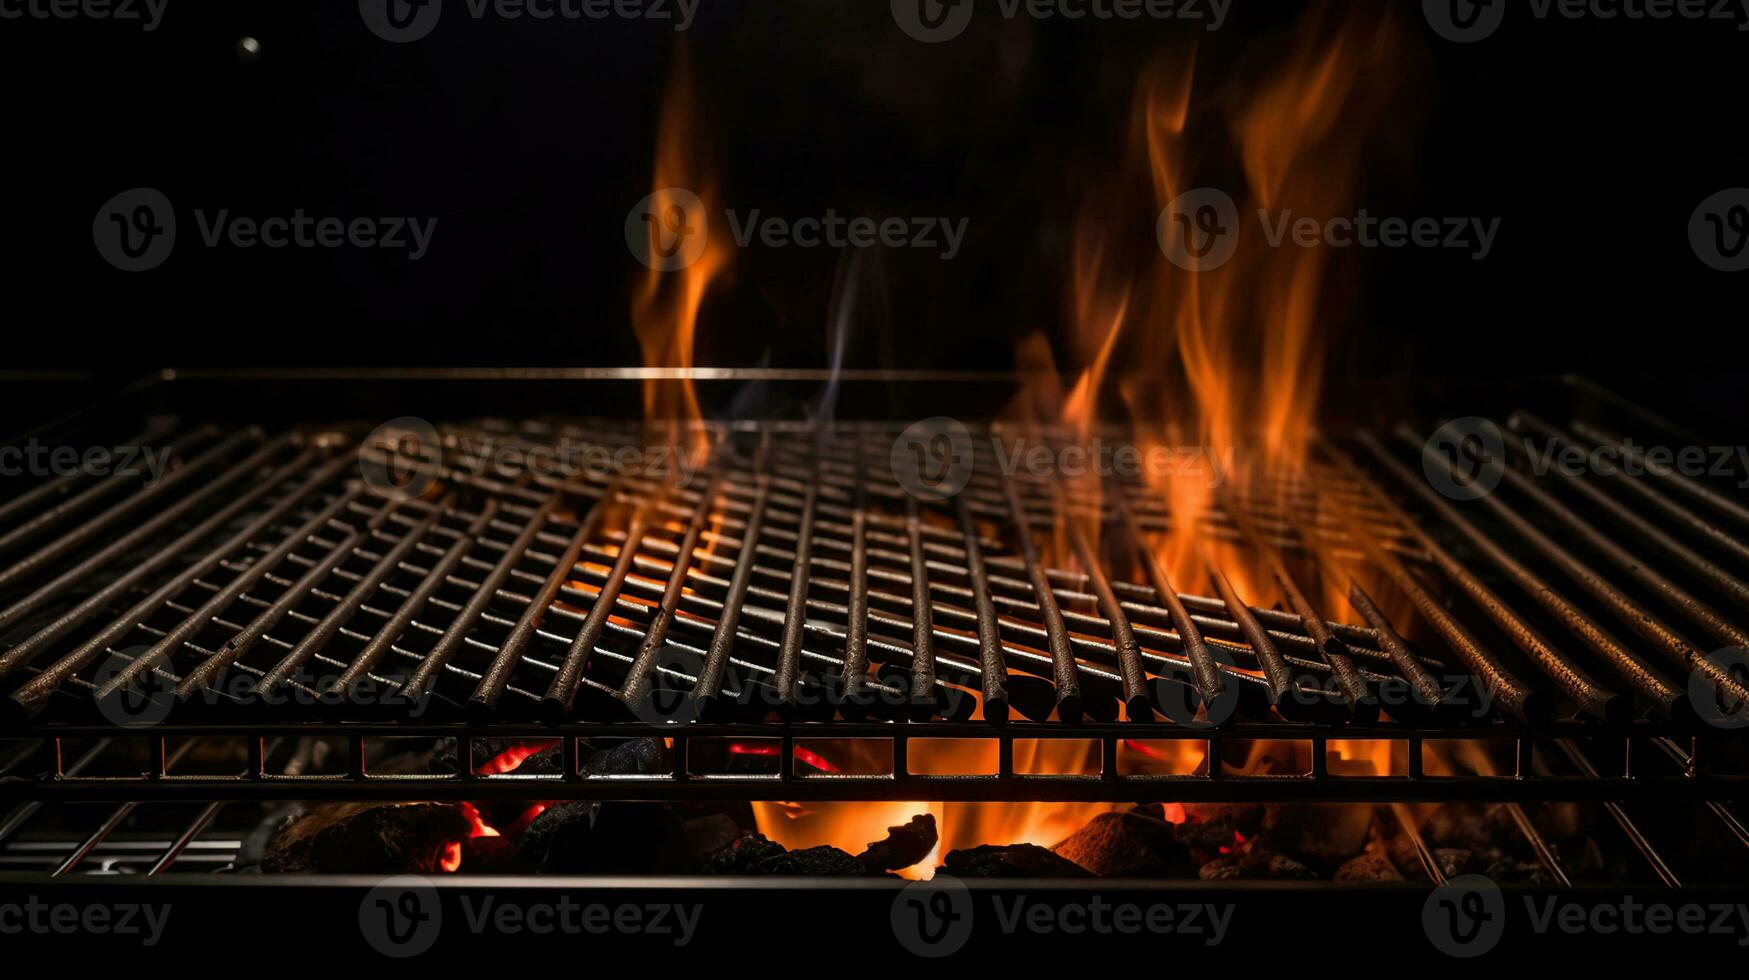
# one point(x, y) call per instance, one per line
point(265, 589)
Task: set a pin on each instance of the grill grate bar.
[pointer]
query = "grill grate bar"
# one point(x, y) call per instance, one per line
point(1591, 696)
point(30, 697)
point(161, 652)
point(425, 676)
point(992, 670)
point(324, 631)
point(90, 497)
point(562, 694)
point(1638, 672)
point(485, 698)
point(637, 686)
point(1064, 674)
point(710, 678)
point(1675, 511)
point(414, 603)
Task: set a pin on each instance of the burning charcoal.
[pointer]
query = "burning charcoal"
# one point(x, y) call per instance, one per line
point(905, 845)
point(1012, 861)
point(814, 862)
point(1255, 864)
point(492, 855)
point(529, 757)
point(744, 855)
point(1225, 869)
point(1462, 825)
point(1128, 845)
point(1454, 861)
point(1282, 866)
point(1518, 872)
point(1325, 835)
point(598, 838)
point(755, 854)
point(1368, 867)
point(365, 838)
point(1247, 818)
point(709, 834)
point(635, 757)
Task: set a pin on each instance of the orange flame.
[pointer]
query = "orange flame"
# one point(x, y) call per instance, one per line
point(666, 304)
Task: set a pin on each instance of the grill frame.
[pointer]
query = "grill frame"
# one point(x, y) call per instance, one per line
point(1620, 760)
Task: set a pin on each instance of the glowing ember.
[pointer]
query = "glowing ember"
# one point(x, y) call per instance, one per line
point(802, 755)
point(512, 758)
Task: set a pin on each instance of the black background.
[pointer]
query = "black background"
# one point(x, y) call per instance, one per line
point(1593, 140)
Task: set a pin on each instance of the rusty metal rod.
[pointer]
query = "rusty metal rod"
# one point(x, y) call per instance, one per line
point(1358, 699)
point(636, 687)
point(1591, 696)
point(484, 701)
point(160, 653)
point(87, 569)
point(203, 675)
point(1648, 626)
point(716, 662)
point(1505, 687)
point(789, 656)
point(32, 695)
point(1641, 571)
point(1056, 632)
point(323, 633)
point(1408, 665)
point(424, 677)
point(1204, 674)
point(855, 674)
point(383, 639)
point(993, 670)
point(46, 520)
point(1682, 515)
point(1138, 701)
point(562, 693)
point(1683, 482)
point(1642, 675)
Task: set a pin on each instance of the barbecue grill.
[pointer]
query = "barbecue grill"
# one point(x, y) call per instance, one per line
point(295, 581)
